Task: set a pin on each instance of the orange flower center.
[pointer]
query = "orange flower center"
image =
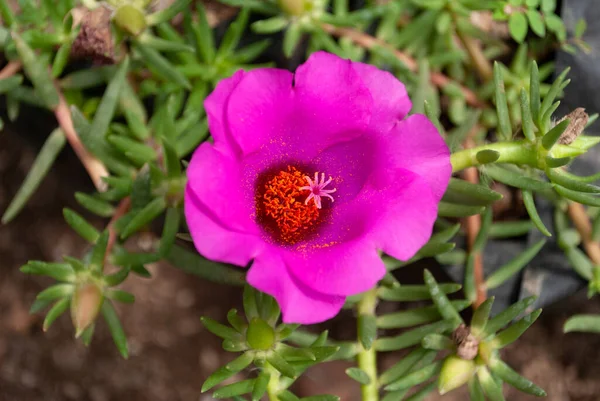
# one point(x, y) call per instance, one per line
point(283, 205)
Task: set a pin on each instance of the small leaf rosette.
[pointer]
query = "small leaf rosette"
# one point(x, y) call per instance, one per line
point(311, 175)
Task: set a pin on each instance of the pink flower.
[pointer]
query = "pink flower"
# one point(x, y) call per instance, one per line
point(285, 147)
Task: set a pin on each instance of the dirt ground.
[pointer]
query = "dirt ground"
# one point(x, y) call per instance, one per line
point(171, 353)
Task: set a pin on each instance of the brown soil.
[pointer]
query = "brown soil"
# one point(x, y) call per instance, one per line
point(171, 353)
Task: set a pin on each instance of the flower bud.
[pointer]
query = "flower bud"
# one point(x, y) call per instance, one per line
point(85, 305)
point(293, 7)
point(130, 19)
point(260, 335)
point(455, 372)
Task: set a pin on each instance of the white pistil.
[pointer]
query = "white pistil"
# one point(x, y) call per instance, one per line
point(317, 189)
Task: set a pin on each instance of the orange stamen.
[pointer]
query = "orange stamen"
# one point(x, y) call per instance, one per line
point(283, 202)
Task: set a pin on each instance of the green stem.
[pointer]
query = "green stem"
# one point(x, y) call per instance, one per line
point(517, 152)
point(367, 359)
point(273, 387)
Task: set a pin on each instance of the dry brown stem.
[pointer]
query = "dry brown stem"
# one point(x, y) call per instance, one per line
point(93, 166)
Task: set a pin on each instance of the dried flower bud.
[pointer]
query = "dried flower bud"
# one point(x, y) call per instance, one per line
point(94, 40)
point(293, 7)
point(85, 306)
point(130, 19)
point(455, 372)
point(466, 343)
point(260, 335)
point(578, 120)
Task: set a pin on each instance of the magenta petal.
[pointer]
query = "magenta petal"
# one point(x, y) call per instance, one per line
point(216, 108)
point(260, 109)
point(343, 269)
point(332, 99)
point(406, 223)
point(390, 100)
point(298, 303)
point(416, 145)
point(216, 180)
point(216, 242)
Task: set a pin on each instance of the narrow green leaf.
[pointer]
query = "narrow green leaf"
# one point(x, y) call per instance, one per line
point(509, 229)
point(203, 36)
point(475, 390)
point(482, 235)
point(58, 271)
point(137, 152)
point(580, 262)
point(553, 92)
point(507, 315)
point(193, 263)
point(117, 278)
point(481, 316)
point(291, 38)
point(58, 309)
point(170, 228)
point(552, 136)
point(583, 323)
point(512, 334)
point(217, 377)
point(560, 162)
point(6, 12)
point(120, 295)
point(44, 160)
point(323, 397)
point(99, 251)
point(161, 66)
point(414, 317)
point(54, 292)
point(526, 119)
point(270, 25)
point(407, 293)
point(81, 226)
point(94, 205)
point(260, 385)
point(558, 177)
point(463, 192)
point(358, 375)
point(504, 372)
point(38, 73)
point(453, 210)
point(506, 271)
point(579, 197)
point(241, 362)
point(516, 179)
point(231, 390)
point(9, 83)
point(285, 395)
point(412, 337)
point(61, 59)
point(491, 389)
point(407, 363)
point(441, 301)
point(115, 328)
point(144, 216)
point(233, 34)
point(108, 105)
point(529, 202)
point(219, 329)
point(534, 91)
point(504, 126)
point(281, 365)
point(166, 14)
point(437, 342)
point(415, 378)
